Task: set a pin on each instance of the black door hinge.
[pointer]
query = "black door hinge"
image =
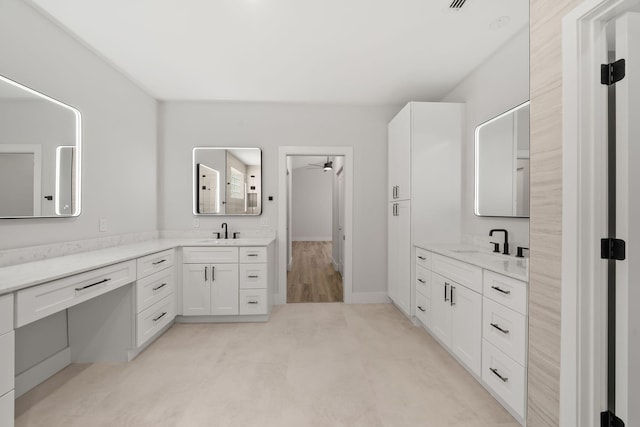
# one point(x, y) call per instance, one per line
point(609, 419)
point(612, 73)
point(612, 249)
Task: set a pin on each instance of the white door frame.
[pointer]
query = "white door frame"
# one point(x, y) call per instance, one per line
point(584, 215)
point(347, 153)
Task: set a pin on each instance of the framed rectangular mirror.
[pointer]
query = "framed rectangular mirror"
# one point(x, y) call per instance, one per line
point(227, 181)
point(502, 165)
point(40, 154)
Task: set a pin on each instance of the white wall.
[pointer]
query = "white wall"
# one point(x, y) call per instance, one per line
point(312, 202)
point(184, 125)
point(498, 84)
point(119, 129)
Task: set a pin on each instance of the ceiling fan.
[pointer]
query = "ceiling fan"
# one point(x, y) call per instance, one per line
point(326, 166)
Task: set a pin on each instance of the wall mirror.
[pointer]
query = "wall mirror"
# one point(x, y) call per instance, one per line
point(40, 152)
point(227, 181)
point(502, 164)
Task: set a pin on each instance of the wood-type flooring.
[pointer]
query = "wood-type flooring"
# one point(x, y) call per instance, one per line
point(312, 277)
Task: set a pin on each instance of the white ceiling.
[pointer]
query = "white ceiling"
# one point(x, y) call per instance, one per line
point(309, 51)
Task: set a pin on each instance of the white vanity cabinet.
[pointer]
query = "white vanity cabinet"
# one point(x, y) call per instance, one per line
point(424, 141)
point(7, 360)
point(210, 288)
point(155, 294)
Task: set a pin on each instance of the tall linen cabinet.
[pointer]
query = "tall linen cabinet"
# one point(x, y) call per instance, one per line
point(424, 187)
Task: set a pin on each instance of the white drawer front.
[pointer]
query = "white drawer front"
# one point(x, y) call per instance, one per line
point(423, 308)
point(423, 258)
point(506, 291)
point(253, 254)
point(209, 255)
point(6, 313)
point(7, 362)
point(40, 301)
point(465, 274)
point(7, 403)
point(153, 288)
point(423, 281)
point(155, 318)
point(253, 301)
point(506, 329)
point(253, 276)
point(155, 262)
point(504, 376)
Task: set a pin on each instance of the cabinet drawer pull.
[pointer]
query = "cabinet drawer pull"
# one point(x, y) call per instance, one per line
point(422, 281)
point(213, 274)
point(155, 319)
point(422, 258)
point(453, 288)
point(421, 308)
point(93, 284)
point(504, 331)
point(446, 285)
point(253, 276)
point(159, 262)
point(205, 274)
point(252, 254)
point(501, 290)
point(252, 302)
point(497, 374)
point(159, 287)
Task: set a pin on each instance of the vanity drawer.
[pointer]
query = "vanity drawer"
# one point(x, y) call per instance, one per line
point(7, 403)
point(154, 318)
point(6, 313)
point(155, 262)
point(249, 255)
point(506, 329)
point(504, 376)
point(40, 301)
point(423, 308)
point(253, 276)
point(153, 288)
point(465, 274)
point(7, 362)
point(506, 291)
point(423, 258)
point(423, 280)
point(253, 301)
point(209, 255)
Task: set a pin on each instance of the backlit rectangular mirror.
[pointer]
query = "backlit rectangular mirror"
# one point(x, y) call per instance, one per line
point(502, 164)
point(227, 181)
point(40, 152)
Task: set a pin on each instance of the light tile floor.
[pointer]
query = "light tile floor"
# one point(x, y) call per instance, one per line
point(310, 365)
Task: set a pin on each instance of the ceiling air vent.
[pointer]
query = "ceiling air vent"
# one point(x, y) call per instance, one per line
point(457, 4)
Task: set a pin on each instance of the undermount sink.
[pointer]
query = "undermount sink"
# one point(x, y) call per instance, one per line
point(218, 241)
point(465, 251)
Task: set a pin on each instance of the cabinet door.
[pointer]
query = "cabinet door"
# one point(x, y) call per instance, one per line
point(441, 308)
point(399, 257)
point(196, 290)
point(399, 155)
point(224, 289)
point(466, 328)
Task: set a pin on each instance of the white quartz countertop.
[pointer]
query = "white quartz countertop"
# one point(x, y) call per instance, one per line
point(15, 277)
point(517, 268)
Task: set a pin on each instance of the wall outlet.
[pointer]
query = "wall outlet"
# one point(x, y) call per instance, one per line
point(196, 222)
point(265, 222)
point(102, 225)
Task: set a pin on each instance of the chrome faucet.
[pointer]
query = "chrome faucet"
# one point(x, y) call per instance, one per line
point(226, 233)
point(505, 246)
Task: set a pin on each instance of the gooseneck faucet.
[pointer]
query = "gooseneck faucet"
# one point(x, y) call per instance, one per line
point(505, 245)
point(226, 233)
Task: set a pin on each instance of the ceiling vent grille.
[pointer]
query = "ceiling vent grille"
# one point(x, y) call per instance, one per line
point(457, 4)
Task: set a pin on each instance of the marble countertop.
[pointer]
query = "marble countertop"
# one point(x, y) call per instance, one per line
point(19, 276)
point(517, 268)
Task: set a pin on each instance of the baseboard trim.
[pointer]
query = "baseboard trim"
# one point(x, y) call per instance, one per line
point(42, 371)
point(370, 298)
point(223, 319)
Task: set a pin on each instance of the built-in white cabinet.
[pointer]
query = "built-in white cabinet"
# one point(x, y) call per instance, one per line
point(424, 141)
point(480, 316)
point(7, 360)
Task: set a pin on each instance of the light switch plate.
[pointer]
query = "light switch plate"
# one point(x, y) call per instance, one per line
point(102, 224)
point(196, 222)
